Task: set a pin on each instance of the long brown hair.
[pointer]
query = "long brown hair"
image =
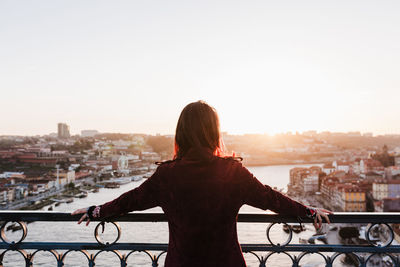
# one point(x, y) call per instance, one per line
point(198, 127)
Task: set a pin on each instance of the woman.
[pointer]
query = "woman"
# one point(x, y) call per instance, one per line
point(201, 192)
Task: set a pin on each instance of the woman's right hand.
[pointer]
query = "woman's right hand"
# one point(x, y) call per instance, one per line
point(84, 216)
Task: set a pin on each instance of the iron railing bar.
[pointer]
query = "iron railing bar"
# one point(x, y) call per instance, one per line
point(340, 217)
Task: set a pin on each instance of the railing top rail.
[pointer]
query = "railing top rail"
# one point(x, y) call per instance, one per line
point(338, 217)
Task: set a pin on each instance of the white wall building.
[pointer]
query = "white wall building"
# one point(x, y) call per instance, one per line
point(11, 174)
point(380, 191)
point(328, 169)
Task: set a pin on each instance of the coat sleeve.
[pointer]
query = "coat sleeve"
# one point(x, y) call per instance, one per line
point(145, 196)
point(255, 194)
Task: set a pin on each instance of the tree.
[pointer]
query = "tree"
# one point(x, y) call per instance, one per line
point(81, 145)
point(71, 186)
point(135, 149)
point(78, 169)
point(384, 158)
point(161, 144)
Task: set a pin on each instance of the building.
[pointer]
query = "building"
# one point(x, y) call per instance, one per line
point(296, 176)
point(373, 176)
point(352, 198)
point(371, 165)
point(344, 191)
point(150, 156)
point(12, 175)
point(63, 131)
point(89, 133)
point(64, 178)
point(397, 161)
point(310, 183)
point(11, 194)
point(328, 168)
point(341, 166)
point(386, 189)
point(3, 195)
point(328, 187)
point(355, 167)
point(394, 189)
point(392, 172)
point(305, 180)
point(379, 191)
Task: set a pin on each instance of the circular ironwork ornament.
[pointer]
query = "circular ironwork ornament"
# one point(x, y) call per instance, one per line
point(98, 238)
point(289, 239)
point(3, 236)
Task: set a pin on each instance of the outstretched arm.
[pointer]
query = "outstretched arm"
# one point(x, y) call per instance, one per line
point(143, 197)
point(255, 194)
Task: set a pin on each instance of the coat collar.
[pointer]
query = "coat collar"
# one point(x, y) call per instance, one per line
point(199, 153)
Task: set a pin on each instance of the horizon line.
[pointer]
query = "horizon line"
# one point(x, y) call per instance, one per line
point(308, 132)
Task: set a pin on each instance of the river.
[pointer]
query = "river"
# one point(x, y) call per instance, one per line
point(275, 176)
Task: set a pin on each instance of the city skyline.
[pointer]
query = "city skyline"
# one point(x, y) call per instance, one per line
point(266, 67)
point(66, 133)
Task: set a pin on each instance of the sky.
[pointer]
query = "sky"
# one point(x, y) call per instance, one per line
point(266, 66)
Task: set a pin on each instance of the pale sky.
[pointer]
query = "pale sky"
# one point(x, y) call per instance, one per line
point(266, 66)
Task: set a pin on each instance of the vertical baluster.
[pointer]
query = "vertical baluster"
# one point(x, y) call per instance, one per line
point(91, 261)
point(28, 260)
point(362, 262)
point(262, 261)
point(60, 263)
point(295, 262)
point(123, 261)
point(60, 260)
point(1, 259)
point(154, 261)
point(328, 261)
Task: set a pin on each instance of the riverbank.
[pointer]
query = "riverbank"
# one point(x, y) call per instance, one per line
point(50, 198)
point(37, 206)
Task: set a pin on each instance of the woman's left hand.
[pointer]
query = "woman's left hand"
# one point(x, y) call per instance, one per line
point(84, 216)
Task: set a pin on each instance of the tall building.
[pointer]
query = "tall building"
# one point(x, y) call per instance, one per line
point(63, 130)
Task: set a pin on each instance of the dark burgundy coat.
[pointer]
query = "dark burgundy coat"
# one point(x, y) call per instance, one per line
point(201, 199)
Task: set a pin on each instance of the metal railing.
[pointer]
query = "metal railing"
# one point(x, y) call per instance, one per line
point(379, 236)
